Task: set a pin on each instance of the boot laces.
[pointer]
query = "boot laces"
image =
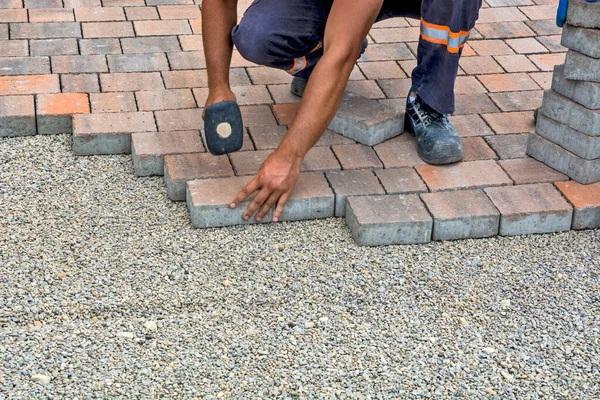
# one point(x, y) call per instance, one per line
point(427, 116)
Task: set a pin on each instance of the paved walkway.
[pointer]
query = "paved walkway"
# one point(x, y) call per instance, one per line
point(132, 74)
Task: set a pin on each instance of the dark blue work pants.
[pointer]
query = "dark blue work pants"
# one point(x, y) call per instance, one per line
point(288, 34)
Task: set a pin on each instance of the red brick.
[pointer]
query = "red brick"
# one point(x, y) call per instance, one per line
point(508, 82)
point(28, 84)
point(267, 137)
point(544, 79)
point(14, 48)
point(477, 149)
point(162, 28)
point(182, 168)
point(285, 113)
point(179, 120)
point(350, 184)
point(401, 181)
point(185, 79)
point(80, 83)
point(470, 125)
point(97, 14)
point(257, 115)
point(547, 62)
point(464, 175)
point(141, 13)
point(528, 170)
point(128, 82)
point(112, 102)
point(79, 64)
point(248, 162)
point(505, 30)
point(509, 146)
point(399, 154)
point(513, 122)
point(17, 116)
point(13, 15)
point(586, 201)
point(319, 159)
point(165, 99)
point(516, 63)
point(382, 70)
point(480, 65)
point(51, 15)
point(491, 48)
point(518, 101)
point(179, 12)
point(357, 156)
point(187, 60)
point(107, 29)
point(62, 104)
point(474, 104)
point(526, 46)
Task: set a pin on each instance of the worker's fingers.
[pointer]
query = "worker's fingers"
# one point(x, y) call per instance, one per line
point(246, 191)
point(280, 206)
point(267, 205)
point(256, 203)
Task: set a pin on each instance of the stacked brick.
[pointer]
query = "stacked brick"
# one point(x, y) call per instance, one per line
point(567, 135)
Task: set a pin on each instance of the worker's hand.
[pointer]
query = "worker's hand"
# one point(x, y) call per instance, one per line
point(274, 183)
point(217, 96)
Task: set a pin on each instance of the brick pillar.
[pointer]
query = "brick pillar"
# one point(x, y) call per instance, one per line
point(567, 134)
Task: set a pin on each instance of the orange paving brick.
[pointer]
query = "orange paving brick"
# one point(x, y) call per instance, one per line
point(547, 62)
point(29, 84)
point(464, 175)
point(477, 149)
point(62, 103)
point(285, 113)
point(107, 29)
point(586, 201)
point(196, 25)
point(179, 11)
point(191, 43)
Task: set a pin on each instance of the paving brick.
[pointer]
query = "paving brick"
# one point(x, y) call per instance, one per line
point(179, 120)
point(148, 149)
point(158, 44)
point(470, 125)
point(529, 209)
point(257, 116)
point(107, 29)
point(28, 84)
point(491, 48)
point(352, 183)
point(185, 79)
point(465, 175)
point(285, 113)
point(584, 14)
point(577, 168)
point(468, 85)
point(179, 12)
point(543, 79)
point(13, 15)
point(542, 11)
point(99, 14)
point(81, 3)
point(585, 200)
point(122, 3)
point(364, 88)
point(581, 67)
point(399, 154)
point(366, 121)
point(480, 65)
point(79, 64)
point(42, 3)
point(191, 43)
point(51, 15)
point(267, 137)
point(141, 13)
point(181, 168)
point(80, 83)
point(571, 113)
point(387, 52)
point(45, 30)
point(24, 65)
point(11, 3)
point(319, 159)
point(580, 144)
point(526, 46)
point(108, 133)
point(585, 93)
point(14, 48)
point(527, 170)
point(55, 111)
point(100, 46)
point(208, 201)
point(356, 156)
point(124, 82)
point(583, 40)
point(247, 144)
point(462, 214)
point(162, 28)
point(513, 122)
point(508, 82)
point(518, 101)
point(476, 148)
point(516, 63)
point(547, 62)
point(401, 181)
point(168, 2)
point(113, 102)
point(544, 26)
point(509, 146)
point(54, 47)
point(187, 60)
point(381, 70)
point(17, 116)
point(552, 43)
point(3, 31)
point(395, 88)
point(245, 95)
point(389, 219)
point(501, 15)
point(138, 62)
point(165, 99)
point(393, 35)
point(474, 104)
point(505, 30)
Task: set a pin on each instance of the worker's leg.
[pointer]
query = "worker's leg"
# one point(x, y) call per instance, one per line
point(283, 34)
point(445, 28)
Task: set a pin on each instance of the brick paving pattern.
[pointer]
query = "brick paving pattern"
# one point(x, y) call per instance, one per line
point(128, 76)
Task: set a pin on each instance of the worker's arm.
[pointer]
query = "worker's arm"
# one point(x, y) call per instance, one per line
point(218, 19)
point(347, 26)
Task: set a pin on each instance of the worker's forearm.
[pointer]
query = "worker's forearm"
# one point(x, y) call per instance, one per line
point(320, 103)
point(218, 19)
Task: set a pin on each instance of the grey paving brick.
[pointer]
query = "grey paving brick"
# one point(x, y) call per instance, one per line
point(45, 30)
point(14, 48)
point(366, 120)
point(584, 14)
point(347, 184)
point(529, 209)
point(54, 47)
point(208, 201)
point(100, 46)
point(148, 149)
point(570, 113)
point(187, 60)
point(138, 62)
point(581, 67)
point(462, 214)
point(17, 116)
point(154, 44)
point(108, 133)
point(388, 219)
point(578, 143)
point(554, 156)
point(401, 181)
point(583, 40)
point(78, 64)
point(24, 65)
point(585, 93)
point(181, 168)
point(585, 200)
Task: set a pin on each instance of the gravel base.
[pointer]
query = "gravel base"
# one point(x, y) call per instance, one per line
point(106, 291)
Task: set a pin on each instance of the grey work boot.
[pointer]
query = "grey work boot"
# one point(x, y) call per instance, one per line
point(299, 84)
point(437, 141)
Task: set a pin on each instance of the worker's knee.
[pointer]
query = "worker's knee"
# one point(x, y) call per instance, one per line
point(254, 39)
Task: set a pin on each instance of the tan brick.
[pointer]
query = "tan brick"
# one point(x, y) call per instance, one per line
point(474, 104)
point(97, 14)
point(51, 15)
point(28, 84)
point(395, 88)
point(137, 62)
point(319, 159)
point(179, 12)
point(196, 25)
point(107, 29)
point(54, 47)
point(526, 46)
point(128, 82)
point(516, 63)
point(112, 102)
point(191, 43)
point(480, 65)
point(185, 79)
point(165, 99)
point(100, 46)
point(387, 52)
point(24, 65)
point(14, 48)
point(513, 122)
point(141, 13)
point(162, 28)
point(500, 15)
point(45, 30)
point(518, 101)
point(401, 181)
point(157, 44)
point(13, 15)
point(268, 76)
point(245, 95)
point(357, 156)
point(508, 82)
point(80, 83)
point(468, 85)
point(547, 62)
point(527, 170)
point(181, 168)
point(187, 60)
point(399, 154)
point(491, 48)
point(465, 175)
point(179, 120)
point(470, 125)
